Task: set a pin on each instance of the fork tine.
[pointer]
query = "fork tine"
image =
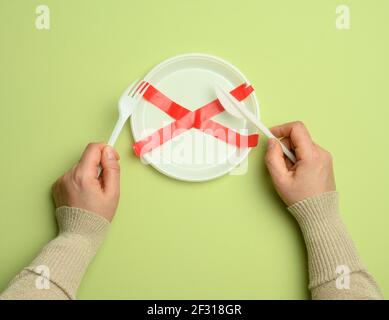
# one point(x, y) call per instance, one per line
point(144, 88)
point(139, 94)
point(139, 86)
point(135, 88)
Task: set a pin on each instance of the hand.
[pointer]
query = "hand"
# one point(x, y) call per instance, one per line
point(311, 175)
point(81, 188)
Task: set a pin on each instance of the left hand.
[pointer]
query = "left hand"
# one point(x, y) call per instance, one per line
point(81, 188)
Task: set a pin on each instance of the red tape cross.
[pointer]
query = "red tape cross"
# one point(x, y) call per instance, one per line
point(199, 119)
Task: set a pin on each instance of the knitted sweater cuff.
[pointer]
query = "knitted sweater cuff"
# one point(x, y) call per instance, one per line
point(331, 251)
point(64, 260)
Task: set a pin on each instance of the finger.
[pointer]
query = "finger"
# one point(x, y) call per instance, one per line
point(91, 159)
point(111, 171)
point(289, 164)
point(275, 161)
point(287, 142)
point(299, 137)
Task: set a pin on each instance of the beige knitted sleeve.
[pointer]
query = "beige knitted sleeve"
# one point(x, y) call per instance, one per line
point(57, 271)
point(335, 269)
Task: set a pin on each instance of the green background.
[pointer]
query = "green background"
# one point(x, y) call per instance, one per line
point(228, 238)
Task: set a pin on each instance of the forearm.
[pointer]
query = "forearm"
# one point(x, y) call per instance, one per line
point(331, 251)
point(63, 262)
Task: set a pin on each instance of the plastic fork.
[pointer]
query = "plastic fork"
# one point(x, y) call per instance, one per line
point(127, 104)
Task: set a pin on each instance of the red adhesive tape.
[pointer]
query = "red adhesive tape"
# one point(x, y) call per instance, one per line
point(199, 119)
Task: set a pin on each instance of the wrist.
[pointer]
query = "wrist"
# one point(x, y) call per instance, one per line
point(80, 221)
point(321, 208)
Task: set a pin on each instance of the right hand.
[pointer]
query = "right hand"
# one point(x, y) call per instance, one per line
point(310, 176)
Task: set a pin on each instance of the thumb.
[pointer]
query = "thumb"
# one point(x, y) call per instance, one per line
point(275, 161)
point(111, 170)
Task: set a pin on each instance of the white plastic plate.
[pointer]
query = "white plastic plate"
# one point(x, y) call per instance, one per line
point(193, 155)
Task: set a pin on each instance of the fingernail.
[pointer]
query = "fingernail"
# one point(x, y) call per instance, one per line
point(110, 153)
point(270, 144)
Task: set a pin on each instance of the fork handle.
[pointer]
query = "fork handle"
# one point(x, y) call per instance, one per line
point(116, 131)
point(112, 139)
point(269, 134)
